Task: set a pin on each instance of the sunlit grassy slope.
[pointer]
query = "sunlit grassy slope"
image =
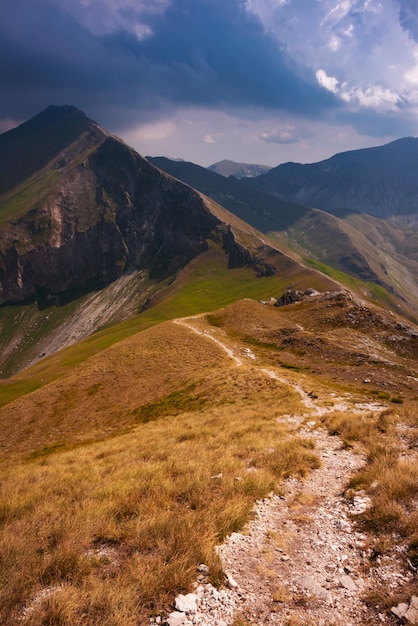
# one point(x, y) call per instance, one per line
point(108, 500)
point(120, 475)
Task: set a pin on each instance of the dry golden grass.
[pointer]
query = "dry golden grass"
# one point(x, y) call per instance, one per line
point(108, 499)
point(105, 394)
point(109, 530)
point(335, 342)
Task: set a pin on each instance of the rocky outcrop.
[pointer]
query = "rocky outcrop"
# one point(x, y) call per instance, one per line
point(295, 295)
point(106, 215)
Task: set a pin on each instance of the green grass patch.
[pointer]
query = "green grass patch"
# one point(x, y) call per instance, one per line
point(27, 195)
point(172, 404)
point(46, 451)
point(383, 395)
point(376, 292)
point(291, 366)
point(257, 343)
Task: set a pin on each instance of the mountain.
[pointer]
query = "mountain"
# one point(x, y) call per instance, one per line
point(381, 181)
point(239, 170)
point(87, 222)
point(87, 209)
point(381, 253)
point(259, 208)
point(31, 146)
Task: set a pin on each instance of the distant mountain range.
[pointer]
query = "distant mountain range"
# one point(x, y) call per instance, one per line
point(239, 170)
point(381, 181)
point(356, 212)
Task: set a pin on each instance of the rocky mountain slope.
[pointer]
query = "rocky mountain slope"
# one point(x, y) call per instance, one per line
point(262, 210)
point(380, 181)
point(106, 211)
point(239, 170)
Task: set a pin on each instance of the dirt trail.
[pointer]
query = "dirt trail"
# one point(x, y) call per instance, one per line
point(300, 561)
point(185, 321)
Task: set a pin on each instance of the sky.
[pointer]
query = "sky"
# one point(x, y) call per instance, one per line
point(255, 81)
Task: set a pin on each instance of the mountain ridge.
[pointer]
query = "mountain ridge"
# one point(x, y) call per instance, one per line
point(381, 181)
point(382, 251)
point(95, 200)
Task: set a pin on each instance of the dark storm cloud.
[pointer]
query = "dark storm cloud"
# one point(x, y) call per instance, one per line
point(408, 16)
point(201, 52)
point(45, 58)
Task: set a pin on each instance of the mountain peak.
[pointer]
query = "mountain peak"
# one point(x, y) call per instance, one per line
point(239, 170)
point(32, 145)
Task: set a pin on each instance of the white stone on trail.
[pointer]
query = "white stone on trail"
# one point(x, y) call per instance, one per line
point(409, 612)
point(176, 619)
point(348, 583)
point(400, 610)
point(308, 583)
point(231, 582)
point(186, 603)
point(248, 352)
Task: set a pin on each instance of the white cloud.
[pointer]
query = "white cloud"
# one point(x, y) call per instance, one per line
point(339, 11)
point(329, 82)
point(334, 43)
point(411, 75)
point(154, 132)
point(209, 139)
point(357, 49)
point(373, 96)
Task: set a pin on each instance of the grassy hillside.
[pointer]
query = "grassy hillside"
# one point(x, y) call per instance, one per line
point(128, 443)
point(371, 256)
point(119, 477)
point(358, 245)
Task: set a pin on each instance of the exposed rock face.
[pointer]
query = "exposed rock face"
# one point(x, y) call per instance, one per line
point(295, 295)
point(106, 215)
point(109, 211)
